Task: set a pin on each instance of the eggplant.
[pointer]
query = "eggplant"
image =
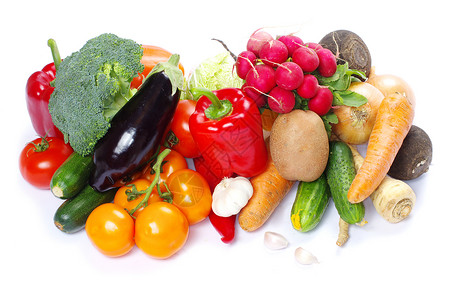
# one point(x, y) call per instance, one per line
point(136, 130)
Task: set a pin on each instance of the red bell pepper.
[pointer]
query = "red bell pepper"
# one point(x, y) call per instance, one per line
point(37, 95)
point(226, 126)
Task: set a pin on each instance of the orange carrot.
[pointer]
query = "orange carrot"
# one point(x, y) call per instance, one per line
point(269, 189)
point(393, 121)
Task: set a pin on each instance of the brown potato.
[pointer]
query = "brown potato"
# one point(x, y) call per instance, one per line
point(299, 145)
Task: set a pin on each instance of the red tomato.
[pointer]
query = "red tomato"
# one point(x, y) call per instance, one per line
point(161, 230)
point(191, 194)
point(40, 159)
point(111, 229)
point(171, 163)
point(180, 137)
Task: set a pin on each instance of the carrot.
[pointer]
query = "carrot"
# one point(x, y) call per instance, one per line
point(269, 189)
point(393, 121)
point(393, 198)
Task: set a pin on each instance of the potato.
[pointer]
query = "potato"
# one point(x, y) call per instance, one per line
point(299, 145)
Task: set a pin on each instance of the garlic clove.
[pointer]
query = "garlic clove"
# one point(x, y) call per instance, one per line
point(275, 241)
point(304, 257)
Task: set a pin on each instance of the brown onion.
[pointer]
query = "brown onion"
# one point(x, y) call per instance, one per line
point(389, 84)
point(355, 123)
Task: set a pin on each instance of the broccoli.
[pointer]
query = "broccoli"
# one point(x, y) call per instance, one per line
point(91, 85)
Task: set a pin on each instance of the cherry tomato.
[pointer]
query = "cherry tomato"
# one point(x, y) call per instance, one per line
point(179, 136)
point(172, 162)
point(141, 184)
point(161, 230)
point(40, 159)
point(191, 194)
point(111, 229)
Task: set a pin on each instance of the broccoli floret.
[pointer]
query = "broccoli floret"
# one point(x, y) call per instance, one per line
point(91, 85)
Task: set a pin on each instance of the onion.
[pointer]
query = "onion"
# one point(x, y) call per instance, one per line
point(389, 84)
point(355, 123)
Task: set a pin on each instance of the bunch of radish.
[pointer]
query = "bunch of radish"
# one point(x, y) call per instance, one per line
point(275, 70)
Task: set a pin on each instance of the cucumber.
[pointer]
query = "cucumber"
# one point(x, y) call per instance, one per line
point(72, 176)
point(71, 216)
point(340, 173)
point(312, 199)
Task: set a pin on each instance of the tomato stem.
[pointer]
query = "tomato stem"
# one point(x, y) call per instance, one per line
point(41, 146)
point(157, 170)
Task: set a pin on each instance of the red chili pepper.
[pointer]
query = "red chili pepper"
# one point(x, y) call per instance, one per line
point(224, 225)
point(226, 127)
point(37, 95)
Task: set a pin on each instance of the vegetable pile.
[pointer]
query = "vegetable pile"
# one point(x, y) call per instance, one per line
point(119, 121)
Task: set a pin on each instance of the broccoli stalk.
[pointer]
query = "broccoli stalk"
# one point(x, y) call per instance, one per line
point(91, 86)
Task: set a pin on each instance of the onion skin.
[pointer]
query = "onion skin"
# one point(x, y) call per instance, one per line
point(355, 123)
point(389, 84)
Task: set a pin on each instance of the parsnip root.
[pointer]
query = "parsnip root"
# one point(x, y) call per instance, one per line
point(343, 234)
point(393, 198)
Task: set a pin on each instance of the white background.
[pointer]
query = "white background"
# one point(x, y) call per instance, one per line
point(381, 260)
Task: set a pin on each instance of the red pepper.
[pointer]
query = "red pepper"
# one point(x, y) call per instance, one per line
point(37, 95)
point(226, 126)
point(224, 225)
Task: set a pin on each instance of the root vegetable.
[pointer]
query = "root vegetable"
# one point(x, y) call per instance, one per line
point(321, 103)
point(291, 42)
point(343, 234)
point(273, 53)
point(281, 100)
point(348, 47)
point(327, 63)
point(306, 58)
point(393, 121)
point(261, 77)
point(389, 84)
point(414, 157)
point(269, 189)
point(355, 123)
point(244, 63)
point(299, 145)
point(289, 76)
point(257, 40)
point(309, 87)
point(393, 198)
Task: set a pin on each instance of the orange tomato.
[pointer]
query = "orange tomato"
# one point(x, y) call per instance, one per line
point(191, 194)
point(152, 55)
point(161, 230)
point(111, 229)
point(141, 184)
point(172, 162)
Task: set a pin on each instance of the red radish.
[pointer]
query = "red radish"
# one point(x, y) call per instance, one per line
point(314, 46)
point(321, 103)
point(327, 63)
point(306, 58)
point(280, 100)
point(255, 95)
point(257, 40)
point(261, 77)
point(245, 61)
point(289, 75)
point(291, 42)
point(309, 87)
point(273, 53)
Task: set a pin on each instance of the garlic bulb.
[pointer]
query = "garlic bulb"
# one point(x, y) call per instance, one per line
point(275, 241)
point(231, 195)
point(304, 257)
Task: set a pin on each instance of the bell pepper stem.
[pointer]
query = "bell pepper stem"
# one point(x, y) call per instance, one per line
point(55, 53)
point(218, 108)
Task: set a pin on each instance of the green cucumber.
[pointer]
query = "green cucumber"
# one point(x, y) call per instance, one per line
point(72, 215)
point(312, 199)
point(72, 176)
point(340, 173)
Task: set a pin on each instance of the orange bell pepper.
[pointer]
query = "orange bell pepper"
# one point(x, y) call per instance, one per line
point(152, 55)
